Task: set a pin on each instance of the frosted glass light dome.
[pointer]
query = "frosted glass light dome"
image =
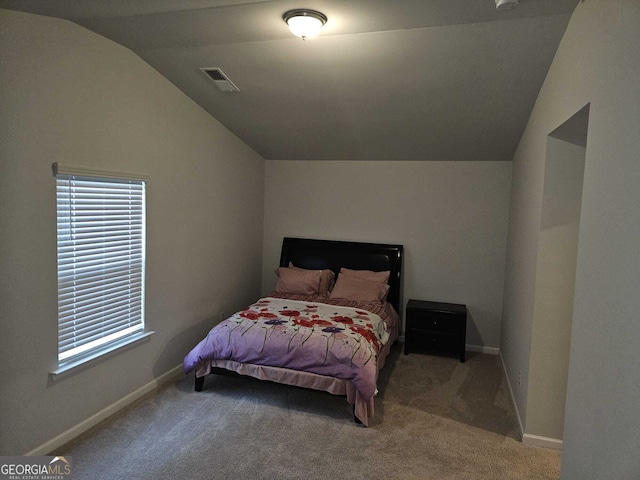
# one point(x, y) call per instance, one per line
point(304, 23)
point(507, 4)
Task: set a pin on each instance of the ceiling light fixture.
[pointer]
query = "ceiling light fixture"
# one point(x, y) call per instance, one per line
point(507, 4)
point(304, 23)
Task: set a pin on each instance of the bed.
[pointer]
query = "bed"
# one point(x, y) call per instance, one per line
point(328, 325)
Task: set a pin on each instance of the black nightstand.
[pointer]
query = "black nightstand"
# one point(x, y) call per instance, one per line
point(436, 328)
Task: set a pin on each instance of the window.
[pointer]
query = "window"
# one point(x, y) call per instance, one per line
point(101, 262)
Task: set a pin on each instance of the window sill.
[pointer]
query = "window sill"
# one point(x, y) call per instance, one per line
point(93, 357)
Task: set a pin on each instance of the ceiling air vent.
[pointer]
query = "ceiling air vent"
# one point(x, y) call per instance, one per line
point(218, 77)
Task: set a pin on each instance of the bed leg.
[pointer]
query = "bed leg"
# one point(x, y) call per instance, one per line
point(199, 384)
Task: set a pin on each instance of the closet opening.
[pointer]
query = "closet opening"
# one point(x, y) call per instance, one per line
point(555, 280)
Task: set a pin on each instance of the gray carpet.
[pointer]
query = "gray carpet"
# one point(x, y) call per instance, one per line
point(436, 418)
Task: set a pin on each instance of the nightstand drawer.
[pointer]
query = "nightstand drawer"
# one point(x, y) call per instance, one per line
point(433, 341)
point(434, 321)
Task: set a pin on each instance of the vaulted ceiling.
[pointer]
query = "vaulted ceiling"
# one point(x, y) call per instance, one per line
point(385, 80)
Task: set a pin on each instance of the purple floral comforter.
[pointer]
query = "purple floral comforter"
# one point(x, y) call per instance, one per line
point(332, 340)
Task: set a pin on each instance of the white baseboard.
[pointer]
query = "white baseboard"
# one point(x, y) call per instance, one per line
point(513, 397)
point(482, 349)
point(545, 442)
point(103, 414)
point(470, 348)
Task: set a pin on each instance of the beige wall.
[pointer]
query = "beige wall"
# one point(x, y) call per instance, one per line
point(71, 96)
point(450, 216)
point(598, 63)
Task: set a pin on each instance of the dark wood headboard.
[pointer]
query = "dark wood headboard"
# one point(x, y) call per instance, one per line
point(333, 254)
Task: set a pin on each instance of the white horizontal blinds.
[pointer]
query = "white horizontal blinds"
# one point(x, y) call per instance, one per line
point(101, 255)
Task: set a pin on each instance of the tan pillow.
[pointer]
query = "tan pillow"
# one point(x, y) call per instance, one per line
point(300, 282)
point(382, 277)
point(326, 279)
point(352, 288)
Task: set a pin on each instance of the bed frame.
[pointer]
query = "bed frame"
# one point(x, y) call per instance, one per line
point(332, 254)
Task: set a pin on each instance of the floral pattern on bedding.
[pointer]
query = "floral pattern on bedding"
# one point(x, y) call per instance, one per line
point(326, 339)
